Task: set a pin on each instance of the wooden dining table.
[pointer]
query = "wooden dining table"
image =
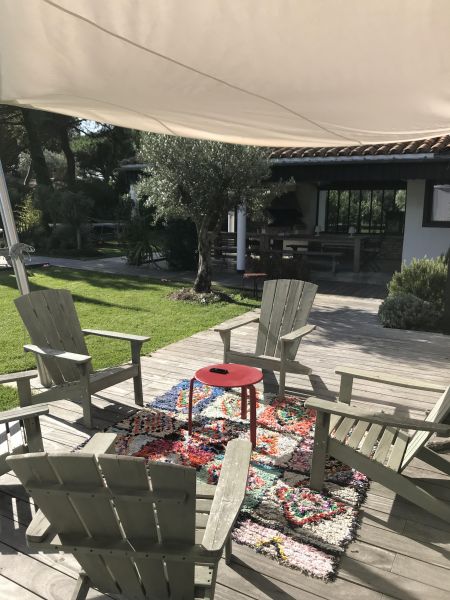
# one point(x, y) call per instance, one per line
point(326, 241)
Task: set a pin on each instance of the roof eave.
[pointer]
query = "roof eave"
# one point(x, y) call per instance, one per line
point(379, 158)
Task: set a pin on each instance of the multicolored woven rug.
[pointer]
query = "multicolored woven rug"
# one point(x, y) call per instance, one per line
point(281, 517)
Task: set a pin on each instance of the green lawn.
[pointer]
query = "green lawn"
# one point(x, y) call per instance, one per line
point(128, 304)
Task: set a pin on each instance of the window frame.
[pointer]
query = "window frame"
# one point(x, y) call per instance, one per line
point(374, 229)
point(427, 220)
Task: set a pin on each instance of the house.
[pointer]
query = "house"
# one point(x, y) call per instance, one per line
point(398, 192)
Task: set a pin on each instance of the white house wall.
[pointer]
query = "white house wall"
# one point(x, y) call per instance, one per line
point(307, 200)
point(421, 241)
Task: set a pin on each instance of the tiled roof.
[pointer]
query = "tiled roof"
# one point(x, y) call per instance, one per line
point(436, 145)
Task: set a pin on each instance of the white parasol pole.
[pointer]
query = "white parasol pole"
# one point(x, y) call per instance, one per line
point(15, 253)
point(15, 249)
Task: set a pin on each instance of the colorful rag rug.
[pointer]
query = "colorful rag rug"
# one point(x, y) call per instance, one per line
point(281, 516)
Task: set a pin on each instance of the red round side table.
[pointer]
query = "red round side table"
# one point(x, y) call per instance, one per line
point(235, 376)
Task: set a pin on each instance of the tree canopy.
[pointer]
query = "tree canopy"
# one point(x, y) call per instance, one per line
point(63, 168)
point(202, 180)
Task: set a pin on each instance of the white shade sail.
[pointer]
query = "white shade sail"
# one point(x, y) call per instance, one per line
point(267, 72)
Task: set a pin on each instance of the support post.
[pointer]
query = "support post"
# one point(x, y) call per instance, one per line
point(231, 221)
point(16, 256)
point(12, 238)
point(241, 238)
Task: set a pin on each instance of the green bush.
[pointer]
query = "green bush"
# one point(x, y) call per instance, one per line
point(141, 239)
point(62, 238)
point(407, 311)
point(29, 222)
point(179, 240)
point(424, 278)
point(105, 199)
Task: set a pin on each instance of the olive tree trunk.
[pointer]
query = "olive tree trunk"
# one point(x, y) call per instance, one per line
point(35, 146)
point(202, 282)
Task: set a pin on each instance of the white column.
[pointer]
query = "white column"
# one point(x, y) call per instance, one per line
point(241, 238)
point(322, 209)
point(231, 221)
point(134, 200)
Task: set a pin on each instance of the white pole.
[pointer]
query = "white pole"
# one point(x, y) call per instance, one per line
point(241, 238)
point(15, 251)
point(231, 222)
point(12, 239)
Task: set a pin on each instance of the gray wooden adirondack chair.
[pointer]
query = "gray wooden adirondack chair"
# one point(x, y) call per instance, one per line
point(285, 308)
point(378, 444)
point(136, 531)
point(52, 322)
point(20, 431)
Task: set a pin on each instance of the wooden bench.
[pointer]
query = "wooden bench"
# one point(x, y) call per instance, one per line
point(300, 250)
point(333, 256)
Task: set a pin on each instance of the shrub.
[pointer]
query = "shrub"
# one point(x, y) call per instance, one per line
point(105, 199)
point(176, 240)
point(179, 239)
point(424, 278)
point(407, 311)
point(29, 222)
point(141, 240)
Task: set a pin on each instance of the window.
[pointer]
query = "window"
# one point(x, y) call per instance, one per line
point(436, 209)
point(373, 211)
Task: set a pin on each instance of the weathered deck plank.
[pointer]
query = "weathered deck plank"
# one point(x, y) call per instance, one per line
point(401, 553)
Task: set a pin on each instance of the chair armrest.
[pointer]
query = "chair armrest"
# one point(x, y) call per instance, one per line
point(21, 375)
point(229, 495)
point(38, 529)
point(390, 379)
point(100, 443)
point(27, 412)
point(344, 410)
point(78, 359)
point(297, 334)
point(238, 322)
point(130, 337)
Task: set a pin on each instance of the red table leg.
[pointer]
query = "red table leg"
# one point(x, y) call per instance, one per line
point(243, 402)
point(252, 415)
point(191, 392)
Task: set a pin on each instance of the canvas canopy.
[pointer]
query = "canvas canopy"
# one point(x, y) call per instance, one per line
point(268, 72)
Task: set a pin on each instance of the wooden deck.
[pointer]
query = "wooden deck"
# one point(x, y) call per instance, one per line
point(401, 551)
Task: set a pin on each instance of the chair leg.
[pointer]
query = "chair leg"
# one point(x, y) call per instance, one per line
point(252, 415)
point(226, 340)
point(319, 457)
point(82, 587)
point(243, 402)
point(191, 393)
point(137, 380)
point(86, 397)
point(282, 385)
point(228, 550)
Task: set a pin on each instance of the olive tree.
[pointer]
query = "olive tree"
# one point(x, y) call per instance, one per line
point(202, 180)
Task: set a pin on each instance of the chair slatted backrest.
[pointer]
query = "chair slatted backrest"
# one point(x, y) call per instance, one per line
point(439, 412)
point(12, 440)
point(285, 306)
point(51, 320)
point(110, 501)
